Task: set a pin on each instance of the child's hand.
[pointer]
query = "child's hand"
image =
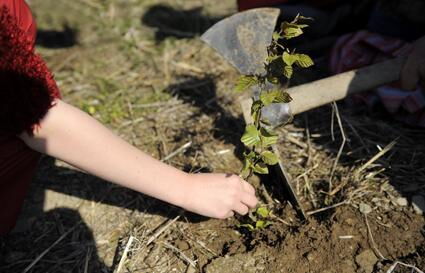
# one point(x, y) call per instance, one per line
point(413, 72)
point(219, 195)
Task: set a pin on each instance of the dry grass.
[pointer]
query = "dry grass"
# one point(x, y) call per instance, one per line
point(160, 88)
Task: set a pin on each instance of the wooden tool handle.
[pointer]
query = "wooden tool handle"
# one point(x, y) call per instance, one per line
point(321, 92)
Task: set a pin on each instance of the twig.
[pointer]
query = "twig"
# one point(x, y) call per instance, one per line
point(159, 232)
point(344, 139)
point(310, 191)
point(280, 219)
point(372, 241)
point(124, 255)
point(266, 194)
point(176, 152)
point(393, 267)
point(131, 122)
point(377, 156)
point(88, 255)
point(327, 208)
point(182, 255)
point(28, 268)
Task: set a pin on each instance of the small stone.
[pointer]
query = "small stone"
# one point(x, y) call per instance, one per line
point(401, 201)
point(376, 200)
point(365, 208)
point(418, 203)
point(366, 260)
point(310, 257)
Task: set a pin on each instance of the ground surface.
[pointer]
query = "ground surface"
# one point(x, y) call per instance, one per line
point(139, 67)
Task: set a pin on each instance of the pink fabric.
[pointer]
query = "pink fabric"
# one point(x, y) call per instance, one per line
point(363, 48)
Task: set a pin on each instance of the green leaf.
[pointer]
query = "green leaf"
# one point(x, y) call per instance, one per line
point(263, 212)
point(273, 80)
point(256, 106)
point(247, 163)
point(261, 224)
point(268, 97)
point(255, 109)
point(287, 71)
point(289, 59)
point(269, 158)
point(251, 136)
point(261, 168)
point(245, 82)
point(276, 36)
point(267, 138)
point(275, 96)
point(248, 226)
point(291, 30)
point(304, 60)
point(282, 97)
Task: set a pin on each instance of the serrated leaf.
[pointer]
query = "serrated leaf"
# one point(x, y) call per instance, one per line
point(268, 97)
point(261, 224)
point(289, 59)
point(256, 106)
point(245, 82)
point(263, 212)
point(251, 136)
point(246, 165)
point(255, 109)
point(304, 60)
point(269, 158)
point(261, 168)
point(291, 30)
point(250, 155)
point(282, 97)
point(267, 138)
point(287, 71)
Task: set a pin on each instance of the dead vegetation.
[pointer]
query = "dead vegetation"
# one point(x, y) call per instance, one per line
point(155, 84)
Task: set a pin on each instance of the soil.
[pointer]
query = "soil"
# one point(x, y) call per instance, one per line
point(159, 87)
point(338, 244)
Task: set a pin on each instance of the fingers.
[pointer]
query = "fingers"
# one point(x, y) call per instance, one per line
point(241, 209)
point(248, 187)
point(229, 214)
point(249, 200)
point(409, 74)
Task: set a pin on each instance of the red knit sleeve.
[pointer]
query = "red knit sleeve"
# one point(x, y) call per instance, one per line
point(27, 87)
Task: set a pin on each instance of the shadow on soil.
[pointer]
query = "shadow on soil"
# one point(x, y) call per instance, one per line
point(202, 93)
point(46, 227)
point(57, 38)
point(179, 24)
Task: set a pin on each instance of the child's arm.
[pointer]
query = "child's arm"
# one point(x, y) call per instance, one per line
point(73, 136)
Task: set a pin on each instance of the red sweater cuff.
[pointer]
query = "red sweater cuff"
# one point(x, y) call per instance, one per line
point(28, 88)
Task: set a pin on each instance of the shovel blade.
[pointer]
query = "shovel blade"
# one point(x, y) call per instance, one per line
point(242, 39)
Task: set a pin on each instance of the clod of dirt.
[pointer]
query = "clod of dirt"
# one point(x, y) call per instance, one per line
point(418, 203)
point(401, 201)
point(366, 260)
point(234, 264)
point(365, 208)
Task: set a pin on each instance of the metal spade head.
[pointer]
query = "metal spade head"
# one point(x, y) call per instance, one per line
point(242, 39)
